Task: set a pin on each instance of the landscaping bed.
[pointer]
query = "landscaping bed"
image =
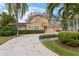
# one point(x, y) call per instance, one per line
point(66, 46)
point(69, 38)
point(52, 45)
point(67, 43)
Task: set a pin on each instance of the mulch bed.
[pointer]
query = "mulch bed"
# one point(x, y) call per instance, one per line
point(67, 47)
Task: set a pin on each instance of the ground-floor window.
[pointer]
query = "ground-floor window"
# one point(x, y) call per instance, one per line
point(29, 26)
point(36, 27)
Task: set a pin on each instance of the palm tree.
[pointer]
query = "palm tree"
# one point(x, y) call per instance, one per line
point(64, 15)
point(76, 16)
point(18, 10)
point(69, 11)
point(70, 15)
point(50, 8)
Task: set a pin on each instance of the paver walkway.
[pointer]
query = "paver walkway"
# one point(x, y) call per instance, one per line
point(26, 45)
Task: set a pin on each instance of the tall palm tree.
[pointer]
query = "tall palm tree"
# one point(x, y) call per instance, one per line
point(18, 10)
point(65, 14)
point(70, 15)
point(76, 15)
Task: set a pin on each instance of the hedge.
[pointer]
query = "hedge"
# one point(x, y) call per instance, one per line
point(30, 31)
point(47, 36)
point(8, 31)
point(69, 38)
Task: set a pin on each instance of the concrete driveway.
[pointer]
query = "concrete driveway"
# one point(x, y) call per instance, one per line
point(26, 45)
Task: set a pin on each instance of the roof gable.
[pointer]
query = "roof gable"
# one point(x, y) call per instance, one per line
point(38, 15)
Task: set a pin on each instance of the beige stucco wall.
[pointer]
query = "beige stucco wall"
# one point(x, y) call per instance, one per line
point(22, 28)
point(53, 28)
point(37, 19)
point(45, 22)
point(37, 22)
point(34, 26)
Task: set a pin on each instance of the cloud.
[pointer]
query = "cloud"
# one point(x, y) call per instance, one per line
point(37, 9)
point(3, 7)
point(27, 13)
point(31, 9)
point(25, 17)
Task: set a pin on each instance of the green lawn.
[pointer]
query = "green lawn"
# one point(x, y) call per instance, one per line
point(4, 39)
point(59, 50)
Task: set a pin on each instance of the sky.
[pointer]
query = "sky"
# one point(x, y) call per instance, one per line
point(38, 7)
point(41, 7)
point(32, 7)
point(55, 12)
point(3, 8)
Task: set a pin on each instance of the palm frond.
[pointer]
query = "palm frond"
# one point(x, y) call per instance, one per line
point(51, 7)
point(9, 7)
point(60, 10)
point(24, 8)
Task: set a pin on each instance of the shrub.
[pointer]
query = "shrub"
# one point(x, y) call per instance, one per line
point(69, 38)
point(8, 30)
point(30, 31)
point(58, 30)
point(47, 36)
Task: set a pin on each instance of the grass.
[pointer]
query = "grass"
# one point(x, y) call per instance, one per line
point(4, 39)
point(59, 50)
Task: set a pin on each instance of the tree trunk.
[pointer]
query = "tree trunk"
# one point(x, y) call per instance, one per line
point(76, 22)
point(68, 26)
point(17, 24)
point(17, 17)
point(68, 23)
point(65, 15)
point(17, 27)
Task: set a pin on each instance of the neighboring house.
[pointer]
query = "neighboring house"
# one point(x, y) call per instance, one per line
point(39, 22)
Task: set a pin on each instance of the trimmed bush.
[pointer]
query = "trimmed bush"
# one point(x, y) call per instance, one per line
point(30, 31)
point(8, 30)
point(58, 30)
point(47, 36)
point(69, 38)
